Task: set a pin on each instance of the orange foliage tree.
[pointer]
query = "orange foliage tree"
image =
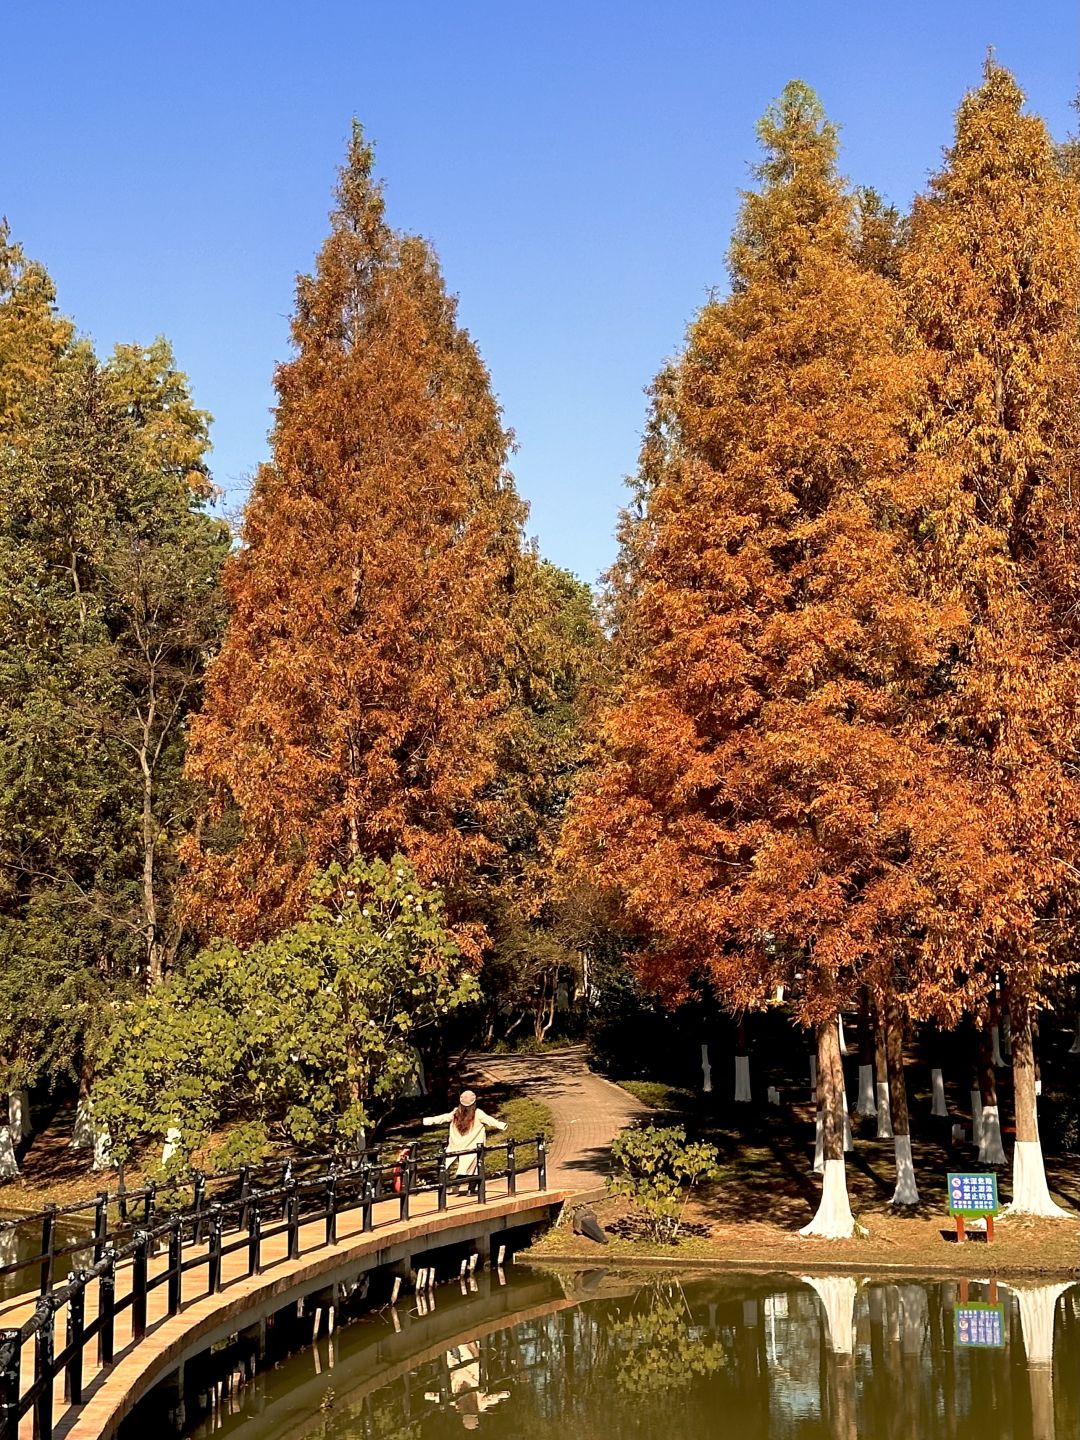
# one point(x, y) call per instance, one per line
point(764, 805)
point(350, 709)
point(991, 278)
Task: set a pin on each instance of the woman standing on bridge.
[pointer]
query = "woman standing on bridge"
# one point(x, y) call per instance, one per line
point(468, 1129)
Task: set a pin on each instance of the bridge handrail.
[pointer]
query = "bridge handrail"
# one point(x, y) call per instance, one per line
point(249, 1206)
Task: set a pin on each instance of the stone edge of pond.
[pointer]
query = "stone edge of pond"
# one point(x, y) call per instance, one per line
point(707, 1264)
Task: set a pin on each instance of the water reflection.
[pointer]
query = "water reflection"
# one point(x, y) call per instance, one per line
point(757, 1358)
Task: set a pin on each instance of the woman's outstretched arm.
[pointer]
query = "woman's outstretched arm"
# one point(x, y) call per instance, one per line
point(439, 1119)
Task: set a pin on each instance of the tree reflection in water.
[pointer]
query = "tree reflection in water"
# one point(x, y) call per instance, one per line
point(755, 1358)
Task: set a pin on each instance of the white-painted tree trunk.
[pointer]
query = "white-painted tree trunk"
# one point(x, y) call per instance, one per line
point(837, 1295)
point(884, 1114)
point(779, 995)
point(19, 1115)
point(173, 1136)
point(991, 1150)
point(742, 1078)
point(866, 1104)
point(819, 1144)
point(840, 1031)
point(834, 1220)
point(937, 1080)
point(706, 1071)
point(849, 1143)
point(1031, 1194)
point(9, 1166)
point(976, 1117)
point(82, 1132)
point(995, 1040)
point(102, 1149)
point(907, 1191)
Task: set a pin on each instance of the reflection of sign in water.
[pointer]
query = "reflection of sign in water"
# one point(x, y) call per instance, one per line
point(981, 1327)
point(975, 1194)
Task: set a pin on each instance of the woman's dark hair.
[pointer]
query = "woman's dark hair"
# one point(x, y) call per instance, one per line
point(463, 1118)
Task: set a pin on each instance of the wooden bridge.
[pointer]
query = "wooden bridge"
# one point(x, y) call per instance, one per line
point(160, 1291)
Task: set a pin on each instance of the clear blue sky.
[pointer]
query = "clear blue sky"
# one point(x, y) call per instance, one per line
point(575, 164)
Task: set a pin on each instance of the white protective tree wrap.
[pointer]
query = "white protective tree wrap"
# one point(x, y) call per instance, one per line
point(991, 1150)
point(1038, 1313)
point(819, 1145)
point(9, 1166)
point(884, 1112)
point(172, 1143)
point(706, 1071)
point(742, 1078)
point(1031, 1194)
point(840, 1031)
point(833, 1220)
point(82, 1132)
point(19, 1115)
point(907, 1191)
point(102, 1150)
point(937, 1082)
point(976, 1117)
point(866, 1104)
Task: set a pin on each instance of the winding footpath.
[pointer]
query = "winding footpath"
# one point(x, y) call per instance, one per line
point(587, 1111)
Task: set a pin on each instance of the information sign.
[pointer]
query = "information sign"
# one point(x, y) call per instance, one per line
point(973, 1195)
point(980, 1327)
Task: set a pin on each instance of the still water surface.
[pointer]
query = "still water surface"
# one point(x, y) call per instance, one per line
point(754, 1358)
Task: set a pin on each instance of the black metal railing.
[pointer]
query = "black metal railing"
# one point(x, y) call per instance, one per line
point(250, 1214)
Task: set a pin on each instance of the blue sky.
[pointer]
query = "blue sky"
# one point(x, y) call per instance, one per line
point(577, 167)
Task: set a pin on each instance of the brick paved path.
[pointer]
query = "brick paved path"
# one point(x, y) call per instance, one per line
point(588, 1112)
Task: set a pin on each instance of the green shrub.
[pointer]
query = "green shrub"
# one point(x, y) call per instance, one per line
point(657, 1169)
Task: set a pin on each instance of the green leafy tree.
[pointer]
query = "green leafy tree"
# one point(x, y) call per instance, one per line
point(657, 1168)
point(309, 1037)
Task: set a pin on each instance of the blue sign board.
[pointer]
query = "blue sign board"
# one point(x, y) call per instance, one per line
point(980, 1327)
point(975, 1194)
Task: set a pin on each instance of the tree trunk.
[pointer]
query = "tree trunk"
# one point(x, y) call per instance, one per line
point(991, 1150)
point(866, 1104)
point(906, 1192)
point(742, 1064)
point(9, 1166)
point(881, 1067)
point(833, 1220)
point(1031, 1195)
point(706, 1070)
point(154, 966)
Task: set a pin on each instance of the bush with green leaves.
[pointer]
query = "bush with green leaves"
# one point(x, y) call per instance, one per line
point(308, 1038)
point(657, 1169)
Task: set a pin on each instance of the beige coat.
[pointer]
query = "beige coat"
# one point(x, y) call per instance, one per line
point(464, 1146)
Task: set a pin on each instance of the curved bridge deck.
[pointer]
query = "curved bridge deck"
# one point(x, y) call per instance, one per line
point(110, 1392)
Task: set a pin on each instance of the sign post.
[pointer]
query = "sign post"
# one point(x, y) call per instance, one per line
point(973, 1197)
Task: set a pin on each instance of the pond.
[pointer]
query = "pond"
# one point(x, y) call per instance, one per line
point(23, 1240)
point(615, 1356)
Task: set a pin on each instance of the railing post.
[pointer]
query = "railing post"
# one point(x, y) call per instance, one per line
point(198, 1196)
point(511, 1167)
point(10, 1382)
point(541, 1163)
point(107, 1307)
point(292, 1217)
point(150, 1206)
point(481, 1175)
point(443, 1178)
point(48, 1244)
point(138, 1285)
point(331, 1209)
point(101, 1224)
point(367, 1197)
point(73, 1341)
point(245, 1192)
point(44, 1350)
point(213, 1269)
point(176, 1257)
point(254, 1238)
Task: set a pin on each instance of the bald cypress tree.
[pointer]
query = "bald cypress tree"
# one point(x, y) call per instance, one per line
point(763, 808)
point(991, 277)
point(350, 709)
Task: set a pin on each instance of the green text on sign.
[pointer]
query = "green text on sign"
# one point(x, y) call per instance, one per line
point(975, 1194)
